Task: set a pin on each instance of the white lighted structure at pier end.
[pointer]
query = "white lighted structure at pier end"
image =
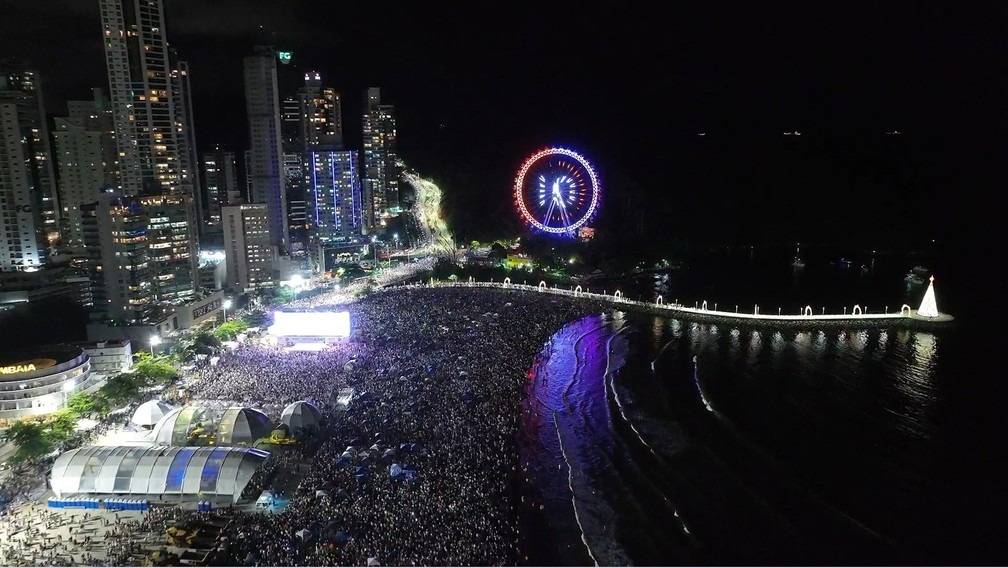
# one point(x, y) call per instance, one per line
point(929, 306)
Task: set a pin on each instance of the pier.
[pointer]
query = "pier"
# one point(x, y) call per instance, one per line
point(905, 316)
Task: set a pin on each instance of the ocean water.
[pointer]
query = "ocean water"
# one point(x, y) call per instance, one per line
point(650, 440)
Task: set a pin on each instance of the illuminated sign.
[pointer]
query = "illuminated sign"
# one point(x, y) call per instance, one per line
point(11, 369)
point(26, 366)
point(285, 56)
point(206, 309)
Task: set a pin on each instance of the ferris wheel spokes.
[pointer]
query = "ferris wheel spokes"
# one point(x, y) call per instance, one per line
point(563, 194)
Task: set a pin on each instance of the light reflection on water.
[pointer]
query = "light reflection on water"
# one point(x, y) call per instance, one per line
point(847, 417)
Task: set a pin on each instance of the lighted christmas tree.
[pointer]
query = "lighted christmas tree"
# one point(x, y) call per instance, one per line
point(929, 307)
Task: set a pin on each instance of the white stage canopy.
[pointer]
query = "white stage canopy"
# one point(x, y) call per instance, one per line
point(310, 324)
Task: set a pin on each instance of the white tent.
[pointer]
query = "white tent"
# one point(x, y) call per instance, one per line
point(301, 417)
point(149, 413)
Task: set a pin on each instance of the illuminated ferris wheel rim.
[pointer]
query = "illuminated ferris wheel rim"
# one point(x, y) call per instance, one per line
point(520, 184)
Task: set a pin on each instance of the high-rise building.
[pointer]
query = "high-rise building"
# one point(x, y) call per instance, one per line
point(115, 236)
point(297, 202)
point(221, 184)
point(185, 127)
point(174, 251)
point(86, 160)
point(312, 124)
point(291, 124)
point(262, 102)
point(152, 116)
point(247, 173)
point(381, 170)
point(29, 207)
point(334, 196)
point(321, 114)
point(140, 87)
point(247, 246)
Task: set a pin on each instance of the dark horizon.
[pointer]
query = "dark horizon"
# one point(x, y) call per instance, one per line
point(475, 92)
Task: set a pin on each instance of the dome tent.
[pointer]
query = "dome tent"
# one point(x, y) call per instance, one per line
point(243, 426)
point(151, 412)
point(199, 425)
point(301, 417)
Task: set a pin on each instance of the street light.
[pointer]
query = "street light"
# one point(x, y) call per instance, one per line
point(226, 305)
point(155, 339)
point(374, 247)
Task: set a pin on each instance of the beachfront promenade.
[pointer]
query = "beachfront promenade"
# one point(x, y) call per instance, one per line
point(706, 311)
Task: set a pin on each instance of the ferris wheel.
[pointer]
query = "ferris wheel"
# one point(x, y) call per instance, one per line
point(557, 191)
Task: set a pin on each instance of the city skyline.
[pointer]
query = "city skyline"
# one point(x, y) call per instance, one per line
point(795, 74)
point(299, 283)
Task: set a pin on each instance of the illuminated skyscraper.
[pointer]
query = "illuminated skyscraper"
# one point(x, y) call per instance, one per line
point(221, 183)
point(262, 102)
point(86, 160)
point(297, 218)
point(334, 196)
point(114, 229)
point(321, 114)
point(247, 249)
point(140, 87)
point(381, 172)
point(185, 128)
point(29, 209)
point(173, 247)
point(152, 115)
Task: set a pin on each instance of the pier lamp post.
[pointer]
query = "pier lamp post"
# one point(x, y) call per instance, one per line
point(155, 340)
point(226, 305)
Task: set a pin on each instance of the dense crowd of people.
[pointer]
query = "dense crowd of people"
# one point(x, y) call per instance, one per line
point(437, 376)
point(419, 467)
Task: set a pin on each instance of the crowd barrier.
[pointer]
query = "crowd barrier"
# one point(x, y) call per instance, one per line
point(111, 504)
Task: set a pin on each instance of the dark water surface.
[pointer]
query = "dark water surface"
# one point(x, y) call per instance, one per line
point(649, 440)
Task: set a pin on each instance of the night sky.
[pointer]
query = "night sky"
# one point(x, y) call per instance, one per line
point(478, 88)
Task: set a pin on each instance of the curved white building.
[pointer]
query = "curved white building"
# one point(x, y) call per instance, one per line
point(40, 381)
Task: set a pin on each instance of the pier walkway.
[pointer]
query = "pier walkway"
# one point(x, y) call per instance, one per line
point(857, 315)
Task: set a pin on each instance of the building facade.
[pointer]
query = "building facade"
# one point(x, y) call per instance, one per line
point(140, 88)
point(122, 279)
point(152, 118)
point(297, 202)
point(86, 161)
point(247, 246)
point(220, 179)
point(381, 170)
point(321, 114)
point(334, 197)
point(40, 382)
point(172, 246)
point(262, 102)
point(185, 127)
point(110, 357)
point(29, 207)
